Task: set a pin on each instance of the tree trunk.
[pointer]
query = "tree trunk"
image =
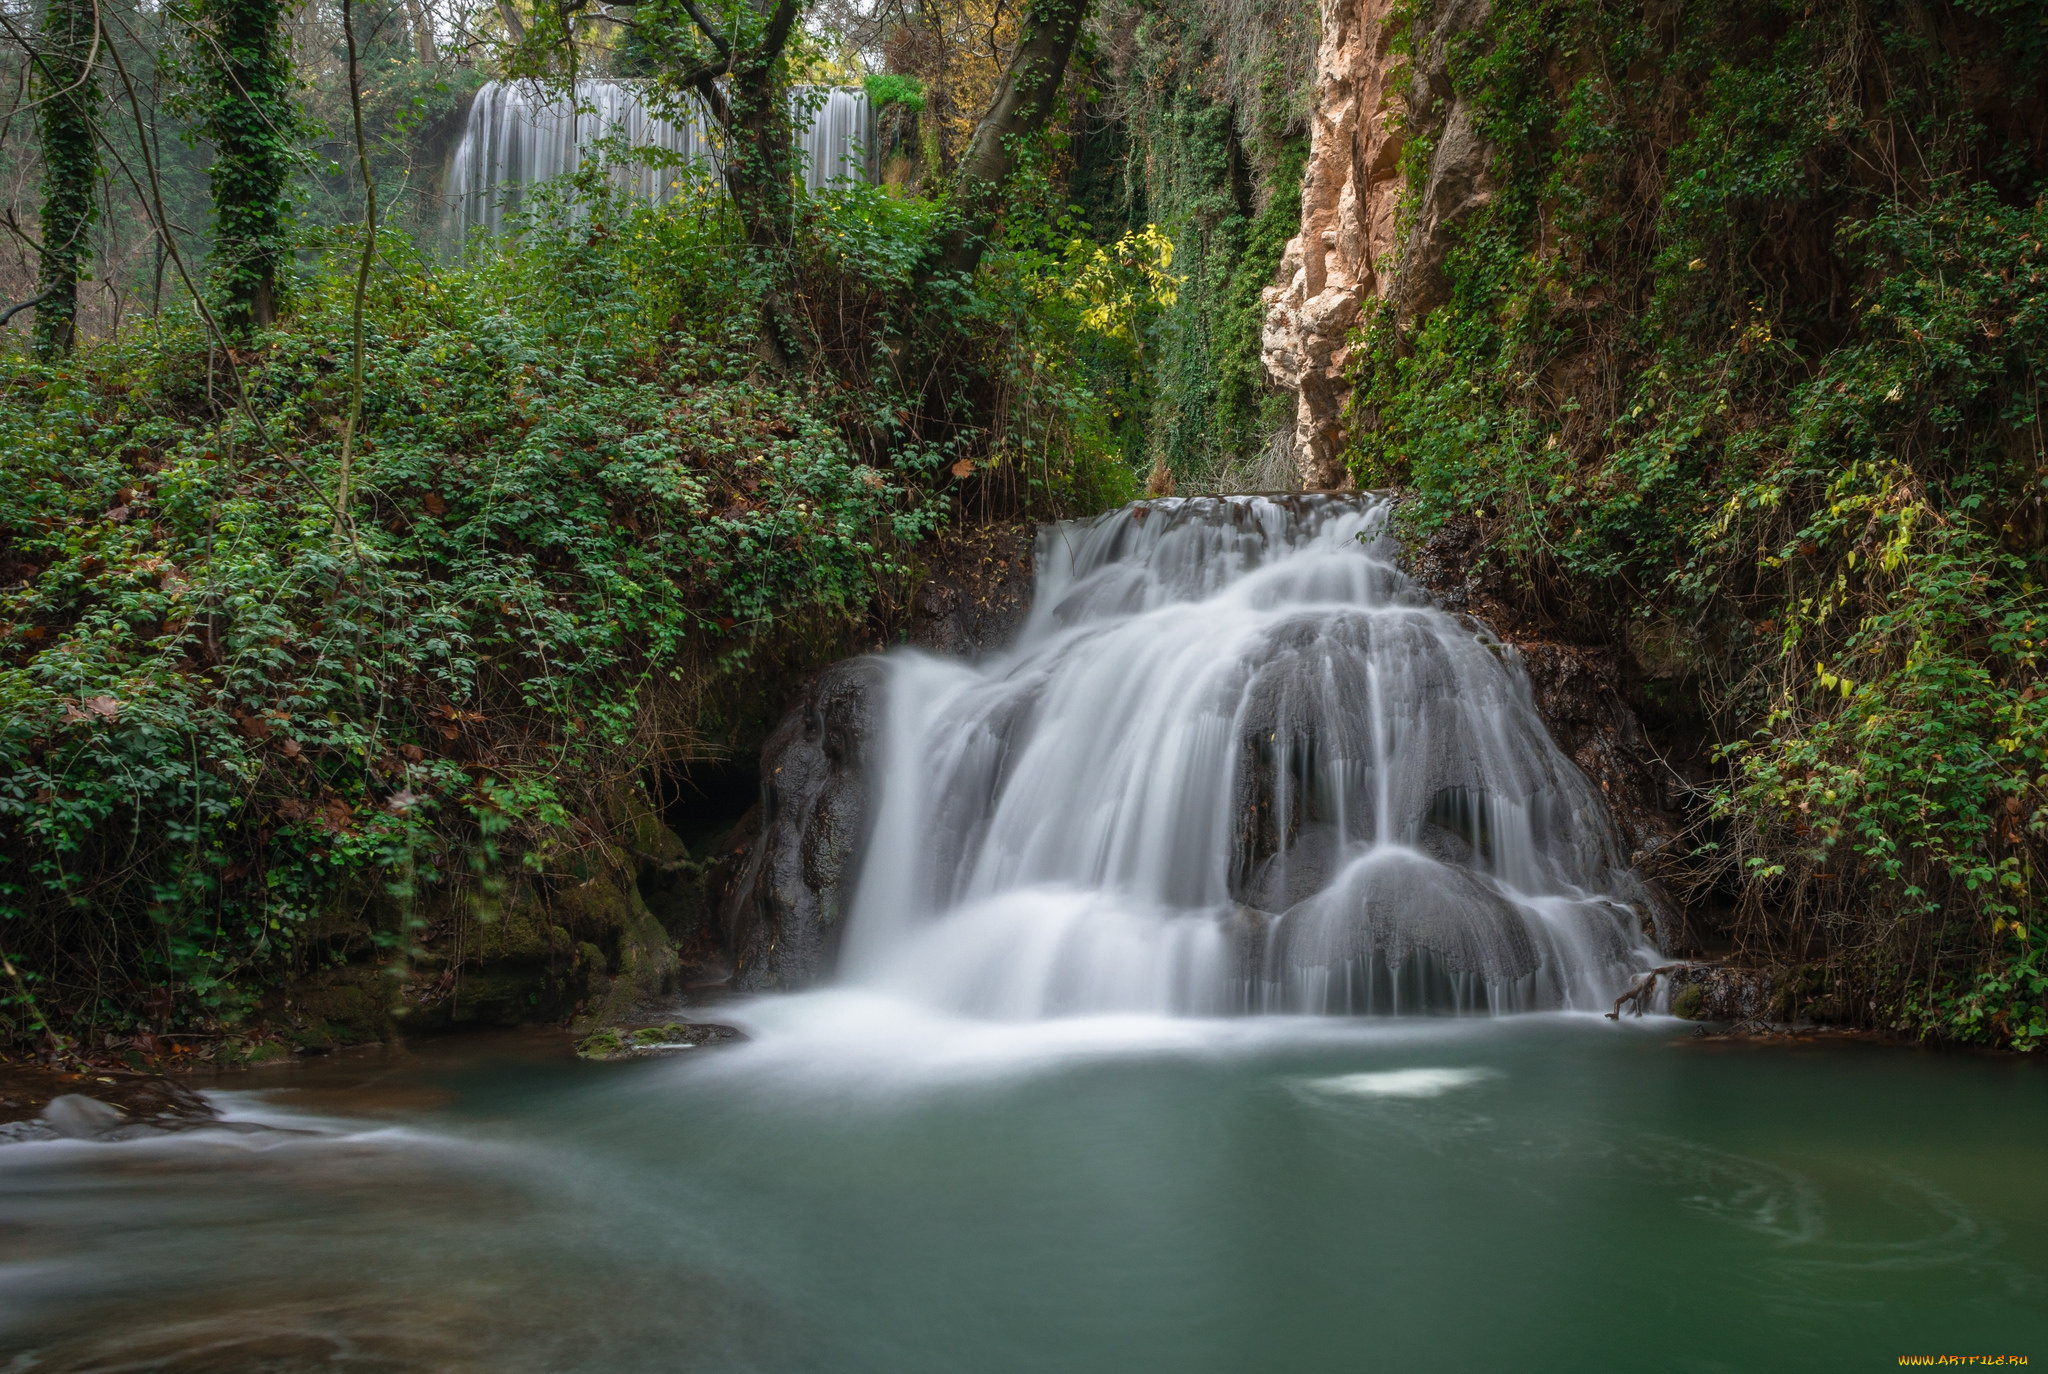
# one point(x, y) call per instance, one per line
point(760, 165)
point(66, 86)
point(422, 30)
point(1024, 99)
point(251, 120)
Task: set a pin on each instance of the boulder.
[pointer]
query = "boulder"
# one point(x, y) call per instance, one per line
point(789, 869)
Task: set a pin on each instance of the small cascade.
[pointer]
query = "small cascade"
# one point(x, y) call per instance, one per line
point(1237, 761)
point(519, 134)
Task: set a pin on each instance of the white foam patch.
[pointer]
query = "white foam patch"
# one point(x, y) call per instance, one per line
point(1400, 1082)
point(851, 1042)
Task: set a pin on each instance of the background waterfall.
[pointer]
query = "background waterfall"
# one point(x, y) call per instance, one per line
point(519, 134)
point(1237, 761)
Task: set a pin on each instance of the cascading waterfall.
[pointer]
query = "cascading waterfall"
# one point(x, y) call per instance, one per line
point(519, 134)
point(1236, 761)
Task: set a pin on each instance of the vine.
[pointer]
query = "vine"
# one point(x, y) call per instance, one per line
point(252, 121)
point(67, 89)
point(1743, 356)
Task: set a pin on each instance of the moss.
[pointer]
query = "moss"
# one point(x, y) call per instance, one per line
point(615, 1042)
point(250, 1052)
point(345, 1005)
point(1688, 1002)
point(652, 842)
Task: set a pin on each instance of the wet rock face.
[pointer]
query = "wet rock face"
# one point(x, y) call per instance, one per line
point(789, 870)
point(976, 592)
point(1587, 689)
point(1708, 992)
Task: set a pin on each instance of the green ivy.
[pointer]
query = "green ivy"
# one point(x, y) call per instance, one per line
point(249, 116)
point(66, 88)
point(1720, 365)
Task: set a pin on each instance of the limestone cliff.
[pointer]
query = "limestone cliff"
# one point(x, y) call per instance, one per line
point(1370, 101)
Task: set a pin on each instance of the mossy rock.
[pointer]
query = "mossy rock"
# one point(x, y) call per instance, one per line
point(645, 1042)
point(250, 1052)
point(348, 1005)
point(1689, 1002)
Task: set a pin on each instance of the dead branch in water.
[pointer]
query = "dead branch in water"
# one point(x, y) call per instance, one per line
point(1639, 992)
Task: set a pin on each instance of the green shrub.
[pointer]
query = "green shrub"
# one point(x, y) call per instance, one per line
point(578, 507)
point(1704, 374)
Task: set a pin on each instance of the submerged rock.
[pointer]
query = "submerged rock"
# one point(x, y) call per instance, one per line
point(98, 1107)
point(1400, 905)
point(645, 1042)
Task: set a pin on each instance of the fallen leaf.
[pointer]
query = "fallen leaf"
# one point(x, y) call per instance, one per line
point(104, 707)
point(964, 468)
point(434, 504)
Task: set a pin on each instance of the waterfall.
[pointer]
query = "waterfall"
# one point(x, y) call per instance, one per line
point(519, 134)
point(1236, 761)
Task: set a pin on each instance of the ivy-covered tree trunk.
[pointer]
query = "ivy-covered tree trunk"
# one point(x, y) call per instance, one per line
point(751, 107)
point(760, 171)
point(1023, 101)
point(250, 119)
point(66, 87)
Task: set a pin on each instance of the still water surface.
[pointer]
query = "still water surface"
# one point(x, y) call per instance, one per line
point(867, 1188)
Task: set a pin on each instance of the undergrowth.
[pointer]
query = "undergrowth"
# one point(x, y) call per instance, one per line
point(1744, 356)
point(579, 508)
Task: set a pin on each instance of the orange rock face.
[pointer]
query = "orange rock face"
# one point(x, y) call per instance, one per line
point(1349, 193)
point(1349, 252)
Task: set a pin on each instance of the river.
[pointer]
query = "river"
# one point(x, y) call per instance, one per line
point(869, 1187)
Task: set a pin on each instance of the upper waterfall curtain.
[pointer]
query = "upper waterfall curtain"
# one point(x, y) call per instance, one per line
point(519, 134)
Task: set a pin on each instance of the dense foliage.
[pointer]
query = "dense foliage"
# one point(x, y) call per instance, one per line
point(578, 506)
point(1217, 99)
point(1745, 355)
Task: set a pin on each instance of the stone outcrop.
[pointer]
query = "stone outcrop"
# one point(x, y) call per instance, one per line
point(1350, 191)
point(1589, 691)
point(785, 875)
point(976, 590)
point(1709, 992)
point(580, 940)
point(1349, 252)
point(788, 871)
